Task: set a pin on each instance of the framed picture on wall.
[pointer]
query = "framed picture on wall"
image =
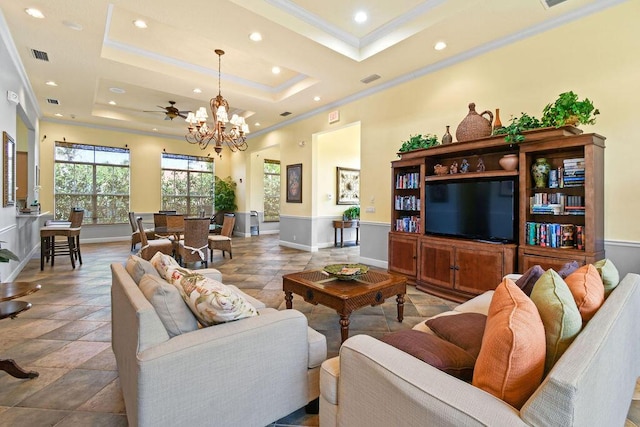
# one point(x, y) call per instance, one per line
point(9, 169)
point(348, 186)
point(294, 183)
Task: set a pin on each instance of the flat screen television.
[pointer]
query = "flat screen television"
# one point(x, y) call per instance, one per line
point(478, 209)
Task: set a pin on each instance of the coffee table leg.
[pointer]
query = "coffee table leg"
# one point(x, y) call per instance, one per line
point(288, 297)
point(10, 367)
point(344, 327)
point(400, 301)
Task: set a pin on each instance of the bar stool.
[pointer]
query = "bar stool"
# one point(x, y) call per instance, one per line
point(50, 247)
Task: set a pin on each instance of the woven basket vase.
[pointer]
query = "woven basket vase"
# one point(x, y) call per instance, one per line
point(474, 126)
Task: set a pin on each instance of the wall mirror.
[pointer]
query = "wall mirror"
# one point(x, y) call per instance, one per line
point(9, 170)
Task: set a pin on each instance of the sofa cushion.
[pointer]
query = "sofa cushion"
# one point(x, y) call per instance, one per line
point(609, 275)
point(587, 289)
point(435, 351)
point(529, 278)
point(138, 267)
point(568, 268)
point(559, 313)
point(174, 314)
point(164, 265)
point(464, 330)
point(511, 360)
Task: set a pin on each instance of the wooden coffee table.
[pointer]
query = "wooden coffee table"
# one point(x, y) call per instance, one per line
point(372, 288)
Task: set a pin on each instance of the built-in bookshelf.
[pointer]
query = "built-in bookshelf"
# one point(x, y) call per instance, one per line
point(407, 195)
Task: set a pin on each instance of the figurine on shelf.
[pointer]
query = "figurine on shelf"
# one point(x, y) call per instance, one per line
point(440, 169)
point(453, 168)
point(480, 167)
point(464, 167)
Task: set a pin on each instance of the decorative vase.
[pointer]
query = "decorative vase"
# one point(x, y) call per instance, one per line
point(540, 172)
point(474, 126)
point(447, 138)
point(509, 162)
point(497, 124)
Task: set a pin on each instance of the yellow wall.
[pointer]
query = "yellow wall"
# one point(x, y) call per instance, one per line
point(595, 57)
point(145, 154)
point(255, 187)
point(339, 148)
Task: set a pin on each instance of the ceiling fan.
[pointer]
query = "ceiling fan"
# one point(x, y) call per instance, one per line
point(171, 112)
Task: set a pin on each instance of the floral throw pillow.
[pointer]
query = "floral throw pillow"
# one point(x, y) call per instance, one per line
point(164, 264)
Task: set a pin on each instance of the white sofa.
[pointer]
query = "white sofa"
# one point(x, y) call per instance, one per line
point(250, 372)
point(373, 384)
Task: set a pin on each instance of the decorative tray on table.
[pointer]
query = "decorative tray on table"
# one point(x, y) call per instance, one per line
point(346, 271)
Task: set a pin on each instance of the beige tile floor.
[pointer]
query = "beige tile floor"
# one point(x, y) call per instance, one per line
point(66, 335)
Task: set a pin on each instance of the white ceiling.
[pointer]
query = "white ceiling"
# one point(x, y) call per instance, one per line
point(318, 46)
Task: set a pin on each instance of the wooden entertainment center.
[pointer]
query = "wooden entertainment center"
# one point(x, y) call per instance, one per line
point(566, 223)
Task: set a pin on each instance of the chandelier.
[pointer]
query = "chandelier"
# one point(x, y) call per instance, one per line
point(200, 133)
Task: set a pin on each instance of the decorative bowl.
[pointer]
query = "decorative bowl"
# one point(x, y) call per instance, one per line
point(346, 271)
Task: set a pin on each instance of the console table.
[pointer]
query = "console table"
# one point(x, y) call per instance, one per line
point(9, 308)
point(341, 225)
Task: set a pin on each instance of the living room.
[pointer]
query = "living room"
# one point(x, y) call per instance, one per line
point(589, 54)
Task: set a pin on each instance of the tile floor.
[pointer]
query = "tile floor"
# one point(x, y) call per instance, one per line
point(66, 335)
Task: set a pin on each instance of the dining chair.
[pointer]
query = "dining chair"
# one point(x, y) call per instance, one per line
point(135, 233)
point(194, 246)
point(149, 248)
point(222, 241)
point(160, 220)
point(175, 222)
point(70, 230)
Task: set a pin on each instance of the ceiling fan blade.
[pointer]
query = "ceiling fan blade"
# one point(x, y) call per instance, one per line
point(182, 115)
point(153, 111)
point(160, 106)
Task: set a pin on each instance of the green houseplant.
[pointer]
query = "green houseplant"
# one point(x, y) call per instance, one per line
point(418, 141)
point(6, 255)
point(513, 132)
point(351, 213)
point(224, 196)
point(568, 109)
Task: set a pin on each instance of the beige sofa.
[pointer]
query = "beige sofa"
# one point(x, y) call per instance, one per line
point(250, 372)
point(374, 384)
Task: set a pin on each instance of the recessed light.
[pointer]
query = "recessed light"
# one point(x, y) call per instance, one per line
point(257, 124)
point(316, 98)
point(139, 23)
point(155, 129)
point(34, 13)
point(116, 90)
point(51, 83)
point(360, 17)
point(58, 115)
point(72, 25)
point(197, 90)
point(255, 36)
point(440, 46)
point(112, 102)
point(275, 70)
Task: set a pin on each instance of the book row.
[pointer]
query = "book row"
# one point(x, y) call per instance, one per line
point(553, 235)
point(408, 224)
point(408, 180)
point(407, 203)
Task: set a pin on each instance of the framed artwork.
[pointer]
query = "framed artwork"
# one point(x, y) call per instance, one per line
point(348, 186)
point(9, 170)
point(294, 183)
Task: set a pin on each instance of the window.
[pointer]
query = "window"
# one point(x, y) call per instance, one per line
point(94, 178)
point(271, 190)
point(187, 184)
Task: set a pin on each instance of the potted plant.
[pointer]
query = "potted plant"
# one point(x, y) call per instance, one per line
point(351, 213)
point(418, 141)
point(6, 255)
point(568, 109)
point(513, 132)
point(224, 197)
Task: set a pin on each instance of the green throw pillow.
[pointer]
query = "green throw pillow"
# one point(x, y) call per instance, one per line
point(609, 274)
point(559, 313)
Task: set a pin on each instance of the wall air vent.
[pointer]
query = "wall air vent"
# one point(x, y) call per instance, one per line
point(38, 54)
point(550, 3)
point(285, 114)
point(53, 101)
point(369, 79)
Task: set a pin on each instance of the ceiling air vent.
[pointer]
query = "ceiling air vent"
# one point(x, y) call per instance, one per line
point(550, 3)
point(53, 101)
point(38, 54)
point(285, 114)
point(369, 79)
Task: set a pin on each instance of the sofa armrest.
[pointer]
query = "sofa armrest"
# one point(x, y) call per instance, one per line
point(414, 393)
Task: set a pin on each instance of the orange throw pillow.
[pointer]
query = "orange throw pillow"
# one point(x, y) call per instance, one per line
point(587, 289)
point(511, 360)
